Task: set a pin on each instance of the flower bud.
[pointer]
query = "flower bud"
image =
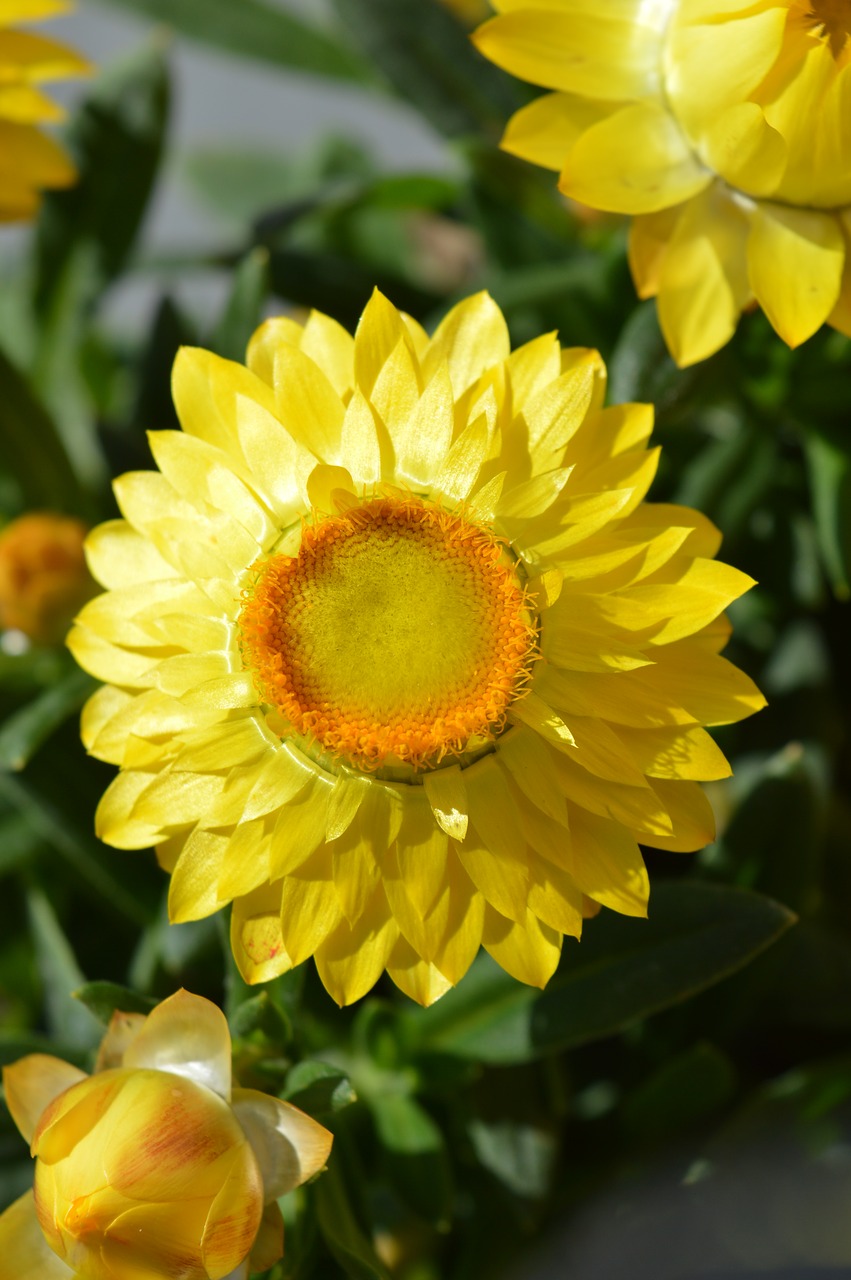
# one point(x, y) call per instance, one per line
point(153, 1167)
point(43, 575)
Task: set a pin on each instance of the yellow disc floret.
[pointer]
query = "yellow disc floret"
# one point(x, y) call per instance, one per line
point(398, 632)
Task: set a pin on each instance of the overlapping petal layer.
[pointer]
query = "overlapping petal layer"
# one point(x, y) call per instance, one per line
point(454, 738)
point(30, 161)
point(152, 1166)
point(722, 126)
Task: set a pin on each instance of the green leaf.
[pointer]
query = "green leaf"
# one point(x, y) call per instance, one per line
point(415, 1155)
point(104, 998)
point(17, 1044)
point(318, 1088)
point(429, 61)
point(32, 448)
point(117, 139)
point(829, 464)
point(521, 1155)
point(772, 842)
point(57, 964)
point(25, 731)
point(682, 1093)
point(261, 1013)
point(623, 970)
point(254, 29)
point(244, 309)
point(78, 851)
point(343, 1234)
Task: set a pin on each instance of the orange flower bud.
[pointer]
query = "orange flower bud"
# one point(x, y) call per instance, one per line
point(154, 1167)
point(43, 575)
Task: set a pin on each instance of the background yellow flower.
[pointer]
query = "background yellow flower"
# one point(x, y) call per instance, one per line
point(30, 160)
point(155, 1165)
point(398, 659)
point(722, 126)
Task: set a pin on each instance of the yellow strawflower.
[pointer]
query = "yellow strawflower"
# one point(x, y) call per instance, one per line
point(397, 658)
point(723, 126)
point(155, 1167)
point(30, 161)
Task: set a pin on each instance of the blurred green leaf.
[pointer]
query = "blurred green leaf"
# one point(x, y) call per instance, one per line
point(103, 999)
point(261, 1013)
point(32, 447)
point(623, 970)
point(415, 1156)
point(254, 29)
point(318, 1088)
point(244, 309)
point(343, 1234)
point(68, 1020)
point(829, 463)
point(17, 1044)
point(18, 843)
point(26, 730)
point(772, 841)
point(682, 1093)
point(429, 61)
point(519, 1154)
point(79, 852)
point(117, 139)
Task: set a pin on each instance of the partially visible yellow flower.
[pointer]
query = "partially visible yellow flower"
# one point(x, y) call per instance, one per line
point(43, 575)
point(30, 161)
point(398, 659)
point(154, 1167)
point(469, 12)
point(723, 126)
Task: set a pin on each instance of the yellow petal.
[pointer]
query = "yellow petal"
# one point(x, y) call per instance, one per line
point(379, 330)
point(470, 339)
point(352, 957)
point(595, 55)
point(422, 850)
point(746, 50)
point(310, 906)
point(675, 753)
point(288, 1145)
point(544, 131)
point(447, 795)
point(417, 979)
point(795, 261)
point(607, 864)
point(31, 1084)
point(234, 1218)
point(703, 281)
point(456, 950)
point(122, 1030)
point(635, 161)
point(554, 897)
point(187, 1036)
point(255, 935)
point(529, 761)
point(691, 814)
point(22, 1239)
point(649, 236)
point(529, 951)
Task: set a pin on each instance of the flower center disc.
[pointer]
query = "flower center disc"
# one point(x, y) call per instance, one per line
point(831, 18)
point(399, 631)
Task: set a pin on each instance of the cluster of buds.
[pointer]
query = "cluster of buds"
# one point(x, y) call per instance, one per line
point(156, 1167)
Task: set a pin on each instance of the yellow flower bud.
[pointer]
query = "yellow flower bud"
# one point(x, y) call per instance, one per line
point(43, 575)
point(154, 1168)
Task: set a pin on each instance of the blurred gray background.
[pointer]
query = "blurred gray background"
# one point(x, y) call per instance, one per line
point(221, 102)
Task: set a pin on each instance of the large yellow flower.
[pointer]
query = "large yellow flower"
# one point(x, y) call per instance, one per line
point(155, 1167)
point(724, 126)
point(29, 160)
point(397, 658)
